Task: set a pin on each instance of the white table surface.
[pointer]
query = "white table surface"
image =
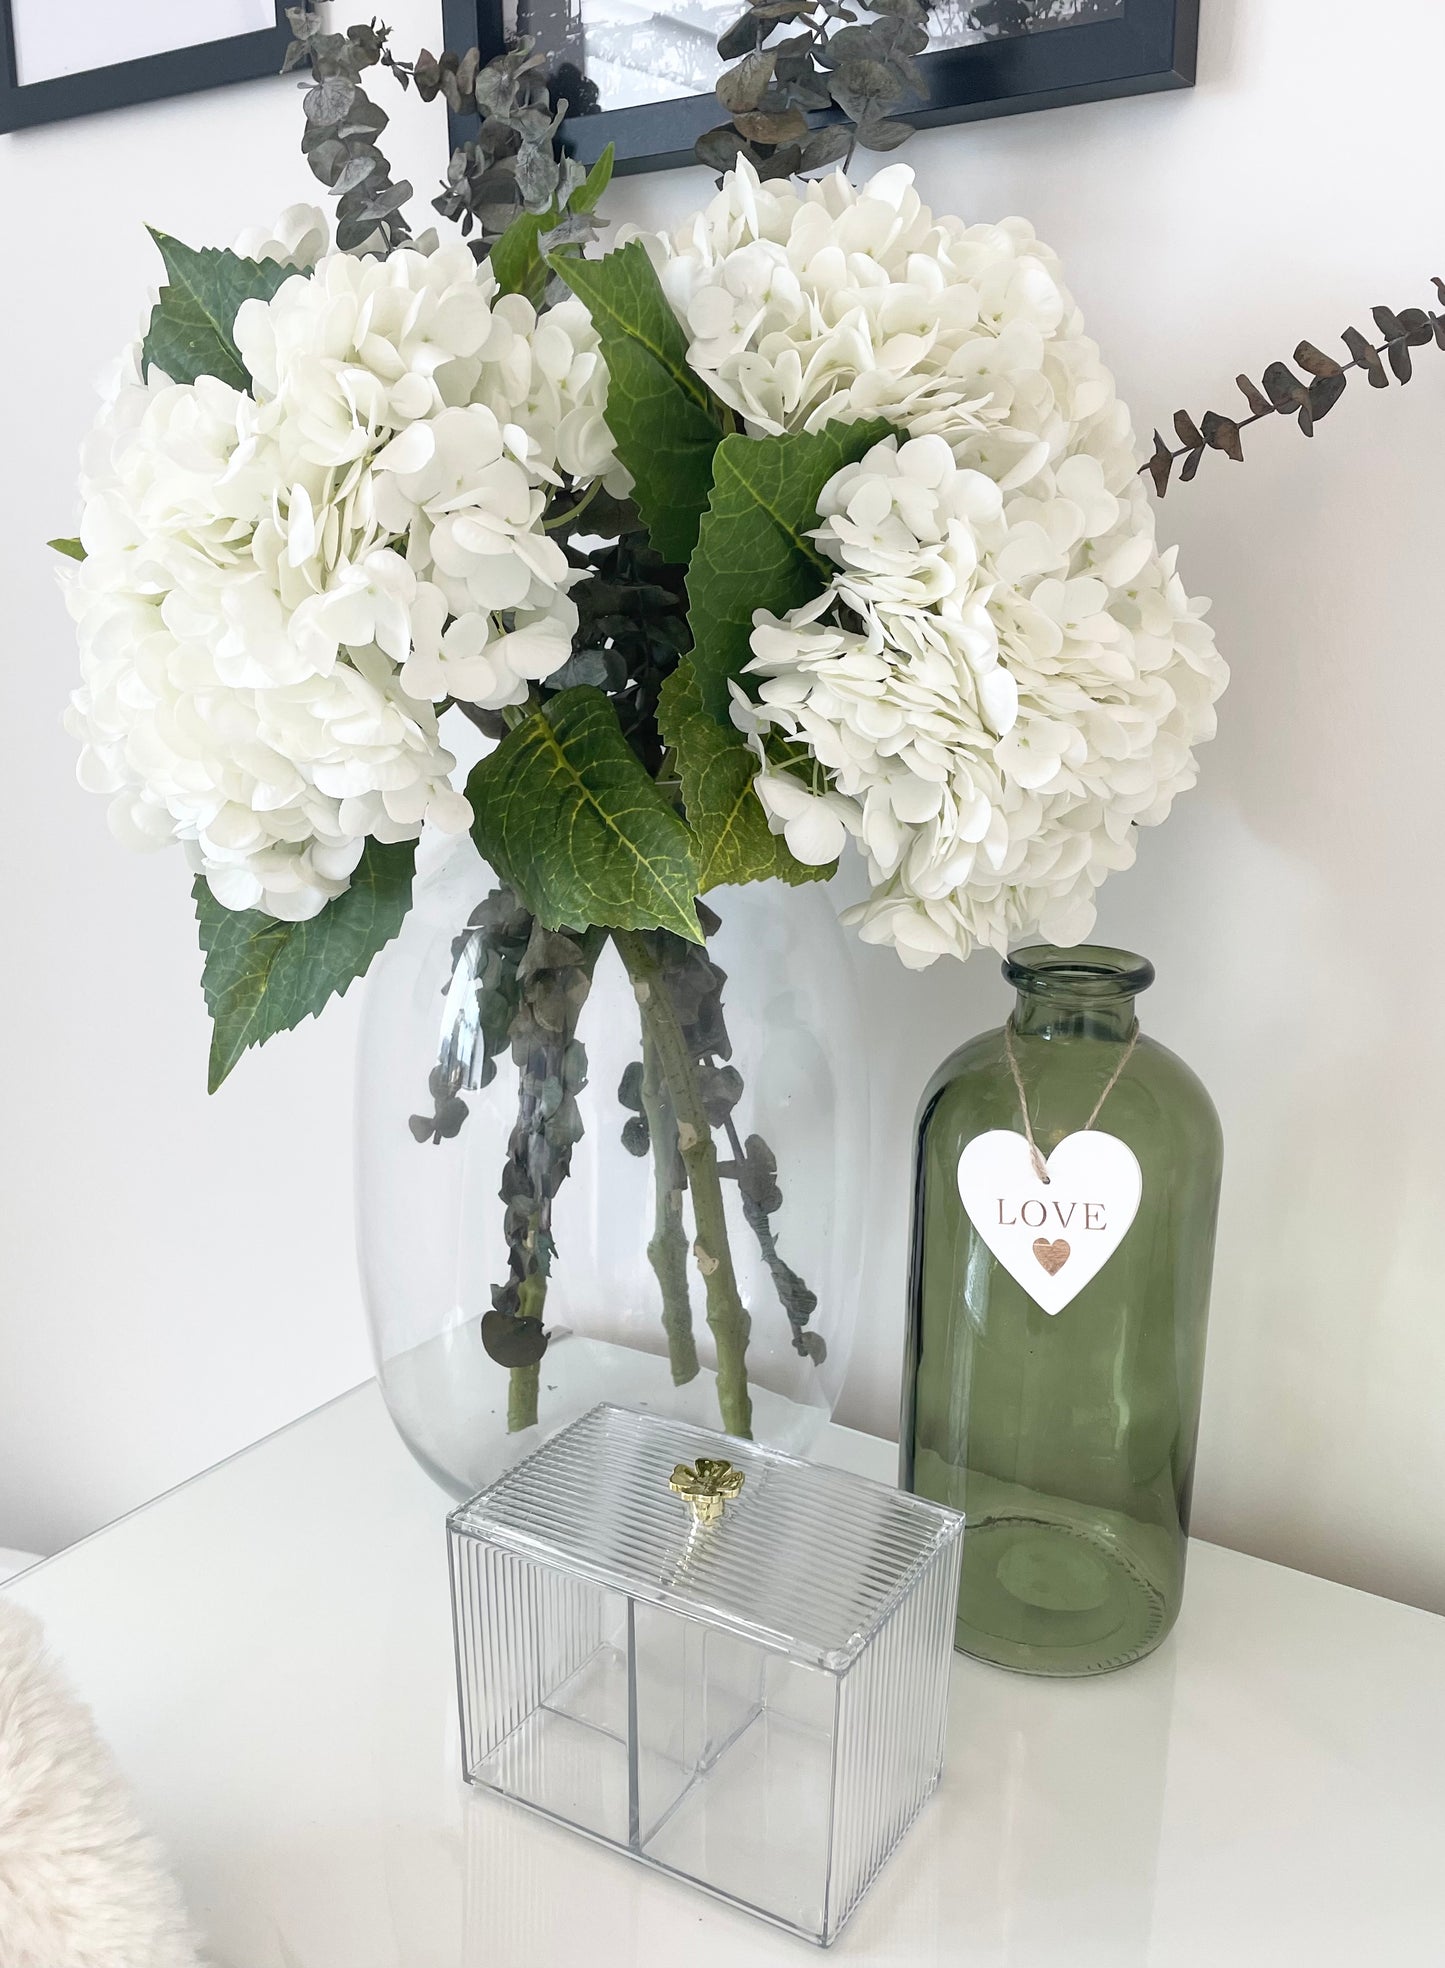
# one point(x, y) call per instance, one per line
point(268, 1650)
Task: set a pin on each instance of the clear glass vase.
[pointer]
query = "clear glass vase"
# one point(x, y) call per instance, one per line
point(608, 1168)
point(1066, 1437)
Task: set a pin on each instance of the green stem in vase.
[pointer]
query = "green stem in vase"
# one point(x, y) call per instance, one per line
point(667, 1249)
point(524, 1382)
point(523, 1387)
point(726, 1314)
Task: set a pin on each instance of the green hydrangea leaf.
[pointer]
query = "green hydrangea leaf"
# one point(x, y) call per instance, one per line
point(516, 258)
point(566, 812)
point(753, 549)
point(734, 841)
point(190, 332)
point(262, 977)
point(663, 417)
point(72, 549)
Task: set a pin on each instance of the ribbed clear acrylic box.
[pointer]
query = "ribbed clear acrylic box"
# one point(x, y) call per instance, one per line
point(755, 1703)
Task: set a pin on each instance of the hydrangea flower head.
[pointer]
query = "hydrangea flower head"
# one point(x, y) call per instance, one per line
point(1003, 678)
point(281, 584)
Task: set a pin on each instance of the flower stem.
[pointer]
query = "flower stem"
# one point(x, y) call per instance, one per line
point(573, 512)
point(522, 1391)
point(524, 1383)
point(667, 1250)
point(726, 1314)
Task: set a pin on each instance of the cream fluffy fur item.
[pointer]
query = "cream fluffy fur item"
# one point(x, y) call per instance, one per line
point(81, 1886)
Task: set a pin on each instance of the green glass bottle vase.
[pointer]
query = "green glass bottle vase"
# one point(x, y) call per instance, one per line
point(1066, 1436)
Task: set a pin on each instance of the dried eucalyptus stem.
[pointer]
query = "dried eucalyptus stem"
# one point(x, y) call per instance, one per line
point(342, 127)
point(1287, 395)
point(555, 977)
point(754, 1167)
point(509, 168)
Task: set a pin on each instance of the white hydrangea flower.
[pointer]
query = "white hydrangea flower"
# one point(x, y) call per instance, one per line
point(1004, 678)
point(280, 585)
point(300, 238)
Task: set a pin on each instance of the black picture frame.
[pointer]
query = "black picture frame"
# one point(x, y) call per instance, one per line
point(152, 78)
point(1151, 45)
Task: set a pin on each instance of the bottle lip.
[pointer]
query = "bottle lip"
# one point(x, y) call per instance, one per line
point(1089, 971)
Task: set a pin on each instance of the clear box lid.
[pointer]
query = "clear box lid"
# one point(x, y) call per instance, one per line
point(803, 1558)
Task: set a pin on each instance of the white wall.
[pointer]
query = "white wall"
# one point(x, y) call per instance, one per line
point(179, 1272)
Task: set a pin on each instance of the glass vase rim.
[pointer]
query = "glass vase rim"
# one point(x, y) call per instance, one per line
point(1089, 973)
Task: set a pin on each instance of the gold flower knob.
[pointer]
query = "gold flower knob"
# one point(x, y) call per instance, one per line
point(706, 1487)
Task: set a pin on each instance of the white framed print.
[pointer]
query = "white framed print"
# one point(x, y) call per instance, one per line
point(61, 58)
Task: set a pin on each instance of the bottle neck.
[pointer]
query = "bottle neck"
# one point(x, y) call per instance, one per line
point(1087, 992)
point(1036, 1016)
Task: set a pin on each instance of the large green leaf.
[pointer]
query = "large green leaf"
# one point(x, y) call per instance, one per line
point(190, 332)
point(753, 550)
point(565, 811)
point(516, 258)
point(262, 976)
point(663, 418)
point(734, 841)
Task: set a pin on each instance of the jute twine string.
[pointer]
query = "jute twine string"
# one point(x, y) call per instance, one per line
point(1040, 1166)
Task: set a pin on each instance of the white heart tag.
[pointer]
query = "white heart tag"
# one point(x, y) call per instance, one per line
point(1051, 1237)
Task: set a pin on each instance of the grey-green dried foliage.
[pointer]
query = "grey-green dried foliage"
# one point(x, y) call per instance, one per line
point(632, 626)
point(553, 979)
point(510, 170)
point(342, 128)
point(511, 166)
point(1306, 398)
point(481, 996)
point(814, 80)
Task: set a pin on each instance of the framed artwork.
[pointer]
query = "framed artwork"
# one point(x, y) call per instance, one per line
point(62, 58)
point(639, 73)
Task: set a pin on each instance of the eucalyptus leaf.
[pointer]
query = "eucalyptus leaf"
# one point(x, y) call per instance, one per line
point(262, 977)
point(865, 89)
point(719, 148)
point(190, 332)
point(330, 99)
point(785, 162)
point(753, 549)
point(744, 33)
point(662, 416)
point(773, 127)
point(743, 87)
point(830, 145)
point(883, 133)
point(865, 43)
point(537, 174)
point(567, 814)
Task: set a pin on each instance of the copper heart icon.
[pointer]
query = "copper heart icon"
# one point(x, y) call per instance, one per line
point(1053, 1256)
